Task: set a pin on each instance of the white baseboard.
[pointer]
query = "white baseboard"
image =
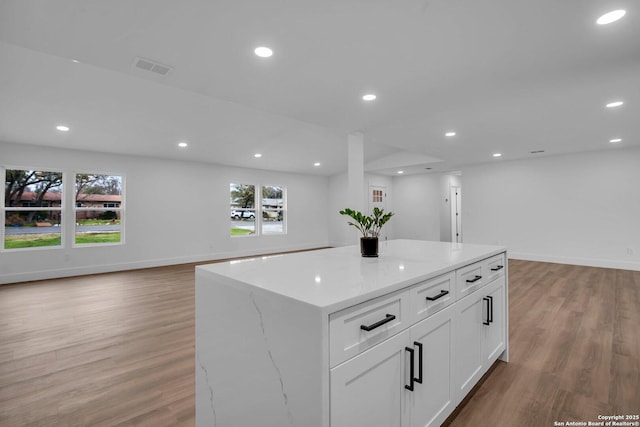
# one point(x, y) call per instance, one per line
point(588, 262)
point(29, 276)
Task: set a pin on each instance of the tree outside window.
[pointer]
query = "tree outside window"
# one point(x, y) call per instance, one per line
point(273, 209)
point(98, 208)
point(242, 206)
point(32, 209)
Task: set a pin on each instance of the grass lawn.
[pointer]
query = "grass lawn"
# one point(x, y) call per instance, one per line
point(106, 237)
point(18, 241)
point(240, 231)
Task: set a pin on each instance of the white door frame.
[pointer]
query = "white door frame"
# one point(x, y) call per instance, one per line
point(456, 214)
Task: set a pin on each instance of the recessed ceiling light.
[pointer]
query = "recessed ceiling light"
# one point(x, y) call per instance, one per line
point(400, 172)
point(75, 61)
point(182, 144)
point(614, 104)
point(263, 52)
point(316, 164)
point(615, 140)
point(497, 154)
point(610, 17)
point(62, 128)
point(450, 134)
point(257, 155)
point(369, 97)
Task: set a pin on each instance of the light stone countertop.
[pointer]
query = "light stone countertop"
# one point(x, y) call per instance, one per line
point(335, 278)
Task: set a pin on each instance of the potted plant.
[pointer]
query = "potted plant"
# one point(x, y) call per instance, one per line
point(369, 226)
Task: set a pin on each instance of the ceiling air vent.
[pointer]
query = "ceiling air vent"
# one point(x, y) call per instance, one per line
point(153, 66)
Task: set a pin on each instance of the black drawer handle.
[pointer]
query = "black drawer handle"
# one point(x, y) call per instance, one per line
point(489, 300)
point(387, 319)
point(497, 268)
point(440, 295)
point(490, 309)
point(419, 345)
point(488, 321)
point(475, 279)
point(411, 371)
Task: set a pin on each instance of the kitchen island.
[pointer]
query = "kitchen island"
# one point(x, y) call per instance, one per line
point(329, 338)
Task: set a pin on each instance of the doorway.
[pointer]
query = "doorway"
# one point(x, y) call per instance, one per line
point(456, 214)
point(378, 199)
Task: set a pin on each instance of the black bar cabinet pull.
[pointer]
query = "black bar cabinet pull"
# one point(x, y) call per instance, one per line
point(475, 279)
point(411, 361)
point(419, 345)
point(497, 267)
point(440, 295)
point(387, 319)
point(487, 322)
point(490, 309)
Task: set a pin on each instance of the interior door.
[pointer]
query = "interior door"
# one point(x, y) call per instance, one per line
point(378, 199)
point(456, 214)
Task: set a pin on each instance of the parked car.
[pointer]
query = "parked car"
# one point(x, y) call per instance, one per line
point(243, 214)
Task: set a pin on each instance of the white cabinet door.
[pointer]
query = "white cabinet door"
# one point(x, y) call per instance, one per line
point(494, 333)
point(369, 390)
point(468, 343)
point(433, 399)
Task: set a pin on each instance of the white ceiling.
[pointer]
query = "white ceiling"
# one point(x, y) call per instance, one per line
point(509, 76)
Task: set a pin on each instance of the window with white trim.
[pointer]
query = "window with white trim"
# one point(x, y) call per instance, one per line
point(242, 205)
point(99, 211)
point(273, 209)
point(32, 209)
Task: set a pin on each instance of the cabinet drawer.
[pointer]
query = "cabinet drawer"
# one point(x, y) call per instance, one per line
point(495, 267)
point(358, 328)
point(470, 278)
point(433, 295)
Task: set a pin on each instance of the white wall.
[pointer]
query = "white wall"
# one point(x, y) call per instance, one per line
point(175, 212)
point(416, 203)
point(577, 209)
point(341, 234)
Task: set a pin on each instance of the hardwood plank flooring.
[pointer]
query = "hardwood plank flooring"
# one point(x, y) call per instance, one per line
point(117, 349)
point(575, 349)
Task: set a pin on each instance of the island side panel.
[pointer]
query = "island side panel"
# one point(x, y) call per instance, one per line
point(261, 358)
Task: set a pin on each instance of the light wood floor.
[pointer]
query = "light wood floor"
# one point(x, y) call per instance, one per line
point(118, 349)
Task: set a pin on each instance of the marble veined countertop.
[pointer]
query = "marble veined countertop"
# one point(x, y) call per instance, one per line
point(335, 278)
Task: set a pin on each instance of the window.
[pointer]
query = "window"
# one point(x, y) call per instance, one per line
point(98, 209)
point(250, 218)
point(273, 211)
point(32, 209)
point(243, 213)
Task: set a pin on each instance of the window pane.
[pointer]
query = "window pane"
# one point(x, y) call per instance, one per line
point(98, 209)
point(32, 209)
point(243, 213)
point(98, 226)
point(273, 219)
point(32, 229)
point(29, 188)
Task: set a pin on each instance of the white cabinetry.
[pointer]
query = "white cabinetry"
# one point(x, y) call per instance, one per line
point(330, 339)
point(480, 334)
point(432, 400)
point(368, 390)
point(410, 375)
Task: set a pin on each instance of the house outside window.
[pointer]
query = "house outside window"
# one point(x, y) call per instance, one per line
point(242, 205)
point(32, 209)
point(99, 211)
point(273, 209)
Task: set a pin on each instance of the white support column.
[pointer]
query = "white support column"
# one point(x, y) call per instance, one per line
point(355, 172)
